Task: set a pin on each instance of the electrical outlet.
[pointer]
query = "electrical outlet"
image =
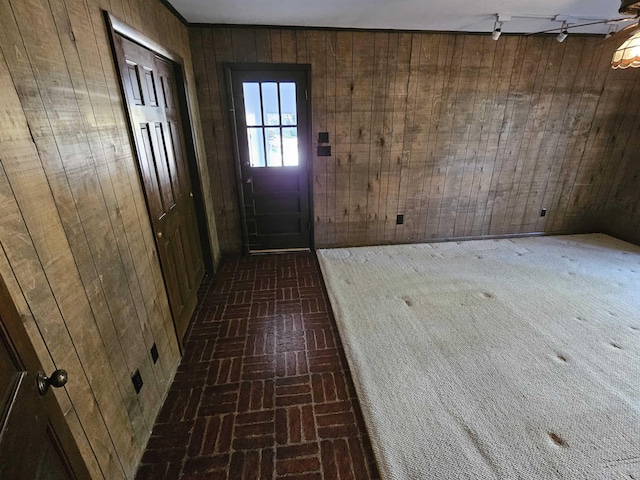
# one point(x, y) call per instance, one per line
point(400, 220)
point(154, 353)
point(136, 379)
point(543, 212)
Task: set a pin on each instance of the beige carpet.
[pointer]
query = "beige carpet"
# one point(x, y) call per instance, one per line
point(510, 359)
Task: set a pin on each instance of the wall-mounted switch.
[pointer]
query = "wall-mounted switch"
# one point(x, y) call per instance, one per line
point(323, 137)
point(400, 220)
point(324, 150)
point(543, 212)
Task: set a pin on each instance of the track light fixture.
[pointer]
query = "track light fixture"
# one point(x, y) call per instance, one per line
point(497, 31)
point(564, 33)
point(497, 27)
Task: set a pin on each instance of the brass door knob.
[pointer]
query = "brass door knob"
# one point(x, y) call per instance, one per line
point(57, 379)
point(159, 234)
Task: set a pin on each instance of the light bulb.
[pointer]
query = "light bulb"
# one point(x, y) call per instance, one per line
point(562, 36)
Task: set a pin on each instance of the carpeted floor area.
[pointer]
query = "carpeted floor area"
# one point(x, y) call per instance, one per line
point(495, 359)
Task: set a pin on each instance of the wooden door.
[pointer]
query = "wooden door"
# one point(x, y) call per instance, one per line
point(149, 83)
point(271, 127)
point(28, 445)
point(35, 440)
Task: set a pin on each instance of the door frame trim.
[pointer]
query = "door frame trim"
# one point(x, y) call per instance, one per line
point(231, 67)
point(115, 26)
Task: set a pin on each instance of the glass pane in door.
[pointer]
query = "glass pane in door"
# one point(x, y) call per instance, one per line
point(252, 104)
point(274, 147)
point(288, 103)
point(256, 147)
point(270, 100)
point(290, 146)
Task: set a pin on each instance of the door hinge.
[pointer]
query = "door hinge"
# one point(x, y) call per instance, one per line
point(309, 226)
point(306, 95)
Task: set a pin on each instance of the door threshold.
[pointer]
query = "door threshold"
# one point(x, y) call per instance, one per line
point(270, 251)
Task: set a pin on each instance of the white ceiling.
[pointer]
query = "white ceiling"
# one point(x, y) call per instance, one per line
point(441, 15)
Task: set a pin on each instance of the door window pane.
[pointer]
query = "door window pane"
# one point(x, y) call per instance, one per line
point(270, 99)
point(256, 147)
point(290, 146)
point(288, 103)
point(274, 147)
point(252, 108)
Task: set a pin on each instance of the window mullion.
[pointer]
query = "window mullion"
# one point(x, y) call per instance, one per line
point(264, 130)
point(280, 125)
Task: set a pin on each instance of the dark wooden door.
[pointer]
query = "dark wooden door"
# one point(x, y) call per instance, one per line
point(271, 120)
point(29, 446)
point(149, 83)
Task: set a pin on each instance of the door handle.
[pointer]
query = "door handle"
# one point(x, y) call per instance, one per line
point(249, 180)
point(57, 379)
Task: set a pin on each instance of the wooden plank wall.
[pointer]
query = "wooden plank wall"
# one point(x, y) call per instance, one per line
point(622, 216)
point(76, 247)
point(463, 135)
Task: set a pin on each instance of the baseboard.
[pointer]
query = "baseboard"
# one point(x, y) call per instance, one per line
point(466, 238)
point(155, 419)
point(277, 251)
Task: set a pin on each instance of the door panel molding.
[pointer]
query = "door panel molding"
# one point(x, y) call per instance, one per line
point(277, 72)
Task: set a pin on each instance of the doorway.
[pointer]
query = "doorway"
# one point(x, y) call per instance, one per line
point(271, 127)
point(158, 120)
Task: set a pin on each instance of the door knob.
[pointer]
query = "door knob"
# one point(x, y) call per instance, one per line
point(249, 180)
point(57, 379)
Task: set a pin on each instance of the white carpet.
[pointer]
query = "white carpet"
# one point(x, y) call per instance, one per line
point(509, 359)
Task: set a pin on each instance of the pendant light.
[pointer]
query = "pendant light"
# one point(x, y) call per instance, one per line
point(628, 54)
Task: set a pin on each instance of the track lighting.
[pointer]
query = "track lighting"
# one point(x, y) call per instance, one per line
point(497, 28)
point(497, 31)
point(564, 33)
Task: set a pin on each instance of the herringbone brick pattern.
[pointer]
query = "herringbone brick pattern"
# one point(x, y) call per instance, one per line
point(263, 390)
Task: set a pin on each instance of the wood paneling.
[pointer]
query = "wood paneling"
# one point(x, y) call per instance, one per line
point(463, 135)
point(622, 214)
point(76, 248)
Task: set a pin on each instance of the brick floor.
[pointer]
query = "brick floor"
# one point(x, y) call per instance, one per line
point(263, 390)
